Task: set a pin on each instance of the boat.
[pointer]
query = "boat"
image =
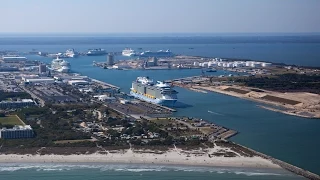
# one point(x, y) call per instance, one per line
point(211, 70)
point(71, 53)
point(96, 52)
point(145, 89)
point(60, 65)
point(159, 53)
point(128, 52)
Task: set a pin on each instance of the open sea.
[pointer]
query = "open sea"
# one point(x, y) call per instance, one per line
point(288, 138)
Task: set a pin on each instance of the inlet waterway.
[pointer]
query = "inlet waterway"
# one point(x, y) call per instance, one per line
point(288, 138)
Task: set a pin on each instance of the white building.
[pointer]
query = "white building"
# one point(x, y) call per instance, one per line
point(43, 80)
point(16, 104)
point(78, 82)
point(13, 59)
point(17, 132)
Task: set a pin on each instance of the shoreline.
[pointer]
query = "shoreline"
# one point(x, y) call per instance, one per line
point(251, 98)
point(171, 157)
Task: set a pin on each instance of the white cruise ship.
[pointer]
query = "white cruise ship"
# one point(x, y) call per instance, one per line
point(159, 53)
point(160, 93)
point(60, 65)
point(71, 53)
point(96, 52)
point(128, 52)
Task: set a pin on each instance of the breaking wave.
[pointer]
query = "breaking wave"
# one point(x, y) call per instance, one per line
point(137, 168)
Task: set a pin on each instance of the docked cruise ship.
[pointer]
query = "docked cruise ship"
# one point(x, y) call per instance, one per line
point(128, 52)
point(60, 65)
point(159, 93)
point(71, 53)
point(96, 52)
point(159, 53)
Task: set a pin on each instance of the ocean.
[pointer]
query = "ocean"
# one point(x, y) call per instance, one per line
point(288, 138)
point(99, 171)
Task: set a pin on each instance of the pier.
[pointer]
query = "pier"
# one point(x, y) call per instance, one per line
point(106, 84)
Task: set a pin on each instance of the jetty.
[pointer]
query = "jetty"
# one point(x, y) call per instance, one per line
point(286, 166)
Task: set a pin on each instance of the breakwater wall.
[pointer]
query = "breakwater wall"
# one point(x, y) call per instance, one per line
point(286, 166)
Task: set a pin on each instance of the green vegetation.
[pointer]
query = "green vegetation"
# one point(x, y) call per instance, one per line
point(285, 83)
point(14, 95)
point(71, 141)
point(49, 126)
point(9, 121)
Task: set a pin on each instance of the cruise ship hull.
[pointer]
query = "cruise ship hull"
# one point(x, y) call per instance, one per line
point(89, 54)
point(129, 55)
point(164, 102)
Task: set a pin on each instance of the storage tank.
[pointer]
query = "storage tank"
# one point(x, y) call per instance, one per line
point(266, 64)
point(196, 63)
point(205, 64)
point(248, 63)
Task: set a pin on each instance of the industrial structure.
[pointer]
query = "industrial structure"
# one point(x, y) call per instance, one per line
point(42, 68)
point(110, 59)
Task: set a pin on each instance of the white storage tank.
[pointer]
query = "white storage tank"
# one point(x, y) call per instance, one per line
point(196, 64)
point(249, 63)
point(205, 64)
point(266, 64)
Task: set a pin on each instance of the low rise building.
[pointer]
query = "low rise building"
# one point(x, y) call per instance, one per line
point(13, 59)
point(17, 132)
point(16, 104)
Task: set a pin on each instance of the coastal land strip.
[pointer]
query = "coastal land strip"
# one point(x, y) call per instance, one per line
point(223, 154)
point(302, 104)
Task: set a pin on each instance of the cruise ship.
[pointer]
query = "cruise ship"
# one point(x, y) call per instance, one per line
point(96, 52)
point(128, 52)
point(60, 65)
point(158, 93)
point(71, 53)
point(159, 53)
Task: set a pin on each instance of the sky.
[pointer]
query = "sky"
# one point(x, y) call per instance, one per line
point(159, 16)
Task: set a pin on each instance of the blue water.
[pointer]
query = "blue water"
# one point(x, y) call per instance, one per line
point(285, 137)
point(98, 171)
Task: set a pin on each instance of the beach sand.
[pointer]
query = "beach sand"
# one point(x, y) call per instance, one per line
point(173, 156)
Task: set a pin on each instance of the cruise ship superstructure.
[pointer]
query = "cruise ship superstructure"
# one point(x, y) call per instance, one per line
point(158, 93)
point(159, 53)
point(60, 65)
point(71, 53)
point(96, 52)
point(128, 52)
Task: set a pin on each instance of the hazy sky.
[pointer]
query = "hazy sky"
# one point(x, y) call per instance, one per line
point(160, 16)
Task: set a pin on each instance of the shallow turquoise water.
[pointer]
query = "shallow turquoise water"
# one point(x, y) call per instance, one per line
point(98, 171)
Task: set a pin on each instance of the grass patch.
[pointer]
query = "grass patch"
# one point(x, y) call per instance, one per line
point(71, 141)
point(10, 120)
point(162, 121)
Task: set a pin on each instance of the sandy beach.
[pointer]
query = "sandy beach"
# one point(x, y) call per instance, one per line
point(173, 156)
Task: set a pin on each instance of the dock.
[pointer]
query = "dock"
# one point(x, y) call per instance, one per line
point(106, 84)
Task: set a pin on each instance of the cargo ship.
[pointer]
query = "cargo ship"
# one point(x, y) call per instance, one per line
point(158, 93)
